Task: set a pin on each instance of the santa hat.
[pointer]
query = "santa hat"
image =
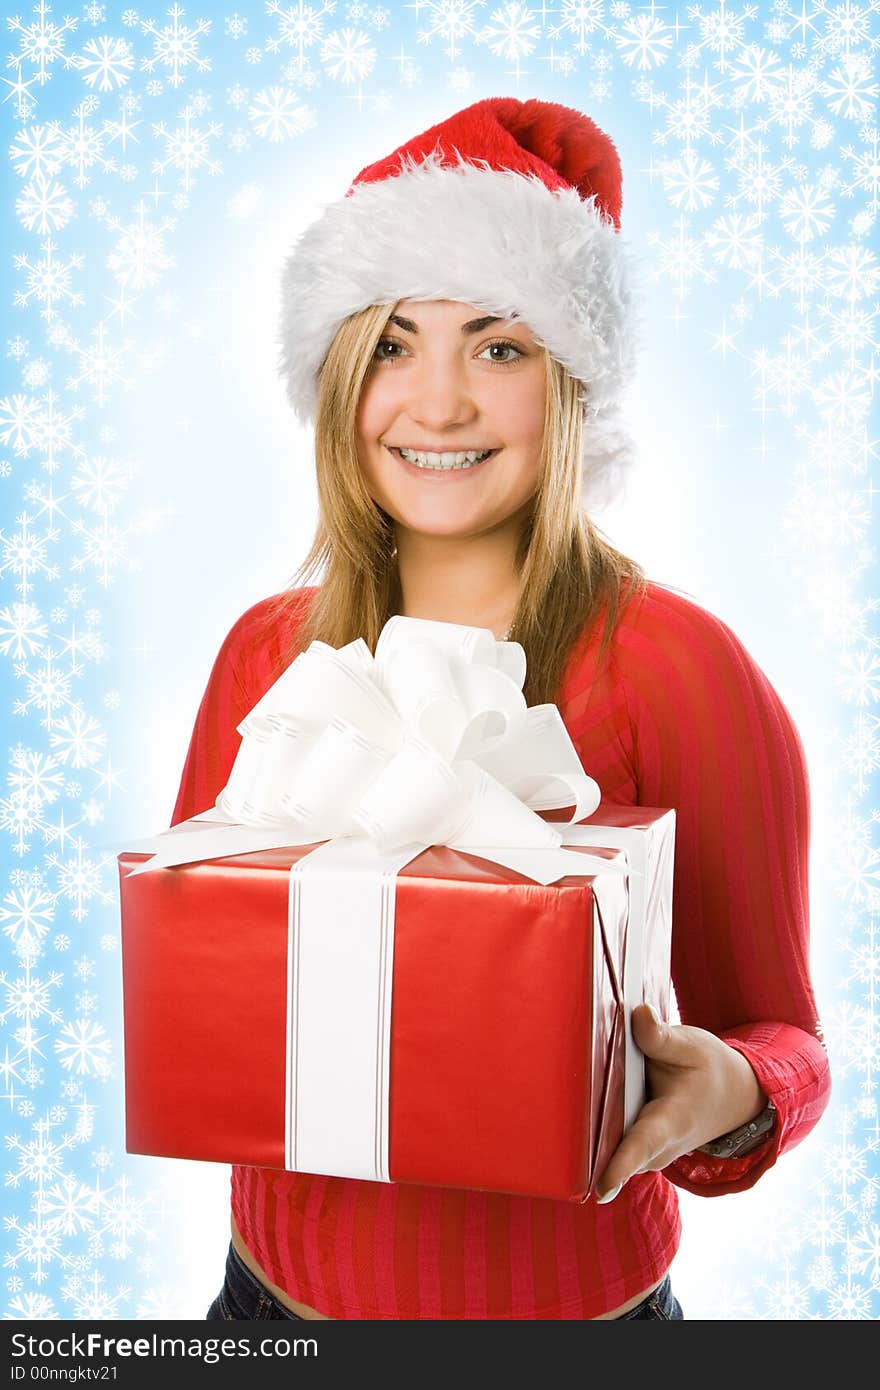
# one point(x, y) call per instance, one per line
point(512, 206)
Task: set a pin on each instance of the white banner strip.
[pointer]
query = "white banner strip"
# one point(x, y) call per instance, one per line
point(341, 948)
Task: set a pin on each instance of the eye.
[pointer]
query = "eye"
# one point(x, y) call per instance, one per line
point(506, 347)
point(380, 356)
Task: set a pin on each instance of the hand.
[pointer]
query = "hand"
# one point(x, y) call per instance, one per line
point(698, 1088)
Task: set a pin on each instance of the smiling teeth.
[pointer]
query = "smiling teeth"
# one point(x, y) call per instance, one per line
point(465, 459)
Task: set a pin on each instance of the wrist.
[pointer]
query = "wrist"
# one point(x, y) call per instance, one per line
point(747, 1097)
point(747, 1117)
point(742, 1140)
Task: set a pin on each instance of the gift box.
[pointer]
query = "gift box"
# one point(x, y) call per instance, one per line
point(435, 988)
point(507, 1028)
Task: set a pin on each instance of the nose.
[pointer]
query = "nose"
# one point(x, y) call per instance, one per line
point(441, 397)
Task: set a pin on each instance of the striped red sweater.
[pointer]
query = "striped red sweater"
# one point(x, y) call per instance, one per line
point(680, 716)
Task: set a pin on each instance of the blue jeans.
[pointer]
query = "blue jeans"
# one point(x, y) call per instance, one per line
point(659, 1306)
point(244, 1298)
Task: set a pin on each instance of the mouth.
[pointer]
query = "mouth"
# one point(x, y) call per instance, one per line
point(458, 464)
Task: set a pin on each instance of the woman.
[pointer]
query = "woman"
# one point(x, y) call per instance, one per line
point(466, 399)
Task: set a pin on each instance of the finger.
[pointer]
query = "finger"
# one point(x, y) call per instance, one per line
point(662, 1043)
point(649, 1032)
point(649, 1137)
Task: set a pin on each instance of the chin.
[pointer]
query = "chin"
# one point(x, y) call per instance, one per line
point(453, 531)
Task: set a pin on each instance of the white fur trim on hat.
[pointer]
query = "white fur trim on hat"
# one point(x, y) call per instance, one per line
point(497, 239)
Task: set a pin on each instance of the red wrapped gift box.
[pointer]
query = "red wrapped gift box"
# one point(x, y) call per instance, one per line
point(507, 1029)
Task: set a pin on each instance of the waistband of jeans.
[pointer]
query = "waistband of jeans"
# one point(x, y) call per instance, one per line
point(236, 1269)
point(658, 1295)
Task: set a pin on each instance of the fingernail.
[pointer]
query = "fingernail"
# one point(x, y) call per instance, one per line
point(654, 1014)
point(609, 1196)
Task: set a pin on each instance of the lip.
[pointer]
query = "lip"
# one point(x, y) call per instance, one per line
point(437, 473)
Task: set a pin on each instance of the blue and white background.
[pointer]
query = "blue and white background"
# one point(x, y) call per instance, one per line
point(153, 484)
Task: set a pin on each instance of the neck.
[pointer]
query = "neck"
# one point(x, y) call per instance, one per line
point(460, 579)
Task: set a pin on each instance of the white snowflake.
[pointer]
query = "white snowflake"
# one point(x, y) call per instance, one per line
point(300, 25)
point(806, 212)
point(104, 549)
point(277, 114)
point(21, 820)
point(84, 145)
point(40, 1161)
point(348, 55)
point(235, 26)
point(68, 1206)
point(27, 914)
point(452, 21)
point(863, 1250)
point(106, 63)
point(187, 148)
point(175, 46)
point(41, 42)
point(84, 1045)
point(123, 1217)
point(101, 365)
point(48, 280)
point(78, 739)
point(39, 151)
point(691, 181)
point(736, 240)
point(92, 1302)
point(787, 1299)
point(859, 676)
point(861, 751)
point(79, 879)
point(22, 631)
point(849, 1300)
point(48, 689)
point(44, 206)
point(645, 42)
point(139, 257)
point(35, 775)
point(31, 1307)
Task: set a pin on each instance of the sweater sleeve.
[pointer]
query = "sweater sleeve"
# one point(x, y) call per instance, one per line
point(249, 660)
point(215, 739)
point(714, 740)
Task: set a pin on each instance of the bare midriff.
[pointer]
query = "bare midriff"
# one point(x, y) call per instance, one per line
point(302, 1310)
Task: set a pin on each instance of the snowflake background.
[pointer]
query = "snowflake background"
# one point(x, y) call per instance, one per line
point(153, 484)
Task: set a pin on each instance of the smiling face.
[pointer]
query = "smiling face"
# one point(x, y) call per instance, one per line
point(448, 380)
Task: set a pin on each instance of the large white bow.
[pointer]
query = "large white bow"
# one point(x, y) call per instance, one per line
point(428, 742)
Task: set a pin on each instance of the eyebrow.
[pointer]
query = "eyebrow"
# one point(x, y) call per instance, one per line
point(473, 326)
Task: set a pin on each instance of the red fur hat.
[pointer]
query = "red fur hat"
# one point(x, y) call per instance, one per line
point(512, 206)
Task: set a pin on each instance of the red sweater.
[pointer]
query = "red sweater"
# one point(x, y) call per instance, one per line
point(680, 716)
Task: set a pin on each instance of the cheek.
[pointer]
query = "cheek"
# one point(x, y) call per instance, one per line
point(368, 393)
point(376, 403)
point(521, 388)
point(525, 413)
point(537, 398)
point(372, 422)
point(367, 426)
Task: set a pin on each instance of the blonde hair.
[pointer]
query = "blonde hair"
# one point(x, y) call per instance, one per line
point(568, 571)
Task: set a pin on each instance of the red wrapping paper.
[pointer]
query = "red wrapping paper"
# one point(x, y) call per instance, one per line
point(507, 1027)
